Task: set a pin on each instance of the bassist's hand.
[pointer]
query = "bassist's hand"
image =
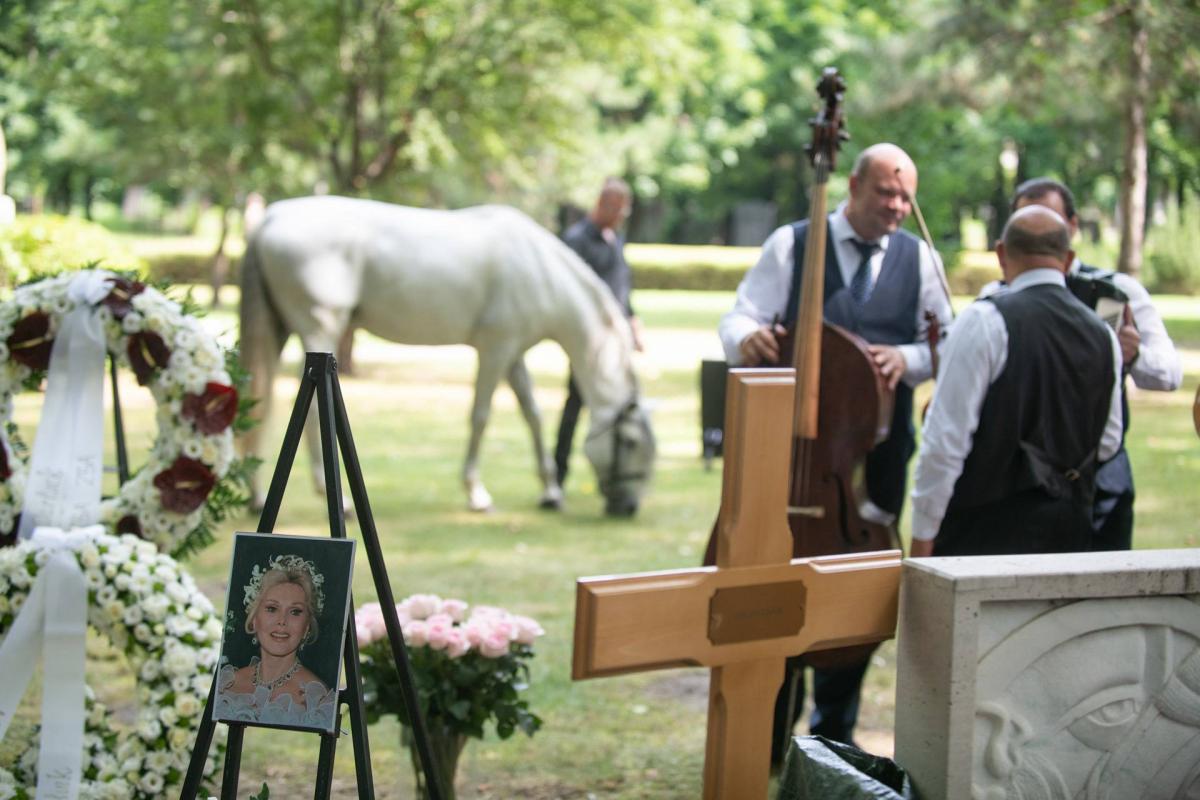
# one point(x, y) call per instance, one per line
point(890, 361)
point(1129, 338)
point(761, 347)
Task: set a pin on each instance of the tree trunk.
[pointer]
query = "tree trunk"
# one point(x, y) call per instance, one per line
point(220, 262)
point(1134, 177)
point(89, 195)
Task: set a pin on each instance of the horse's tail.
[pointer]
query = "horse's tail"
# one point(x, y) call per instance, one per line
point(262, 333)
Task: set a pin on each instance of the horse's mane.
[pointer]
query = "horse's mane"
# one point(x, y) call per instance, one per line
point(598, 292)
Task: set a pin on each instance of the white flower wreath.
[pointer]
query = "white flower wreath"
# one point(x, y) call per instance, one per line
point(186, 372)
point(148, 607)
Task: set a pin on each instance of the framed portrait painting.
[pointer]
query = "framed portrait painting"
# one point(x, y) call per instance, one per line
point(285, 629)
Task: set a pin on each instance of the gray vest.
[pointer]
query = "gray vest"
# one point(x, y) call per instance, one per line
point(888, 317)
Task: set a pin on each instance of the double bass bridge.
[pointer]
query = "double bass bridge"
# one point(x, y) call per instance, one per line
point(812, 512)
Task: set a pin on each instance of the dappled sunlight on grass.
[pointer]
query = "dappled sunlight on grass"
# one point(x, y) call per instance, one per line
point(638, 736)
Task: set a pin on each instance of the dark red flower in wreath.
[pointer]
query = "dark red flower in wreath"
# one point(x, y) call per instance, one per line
point(130, 524)
point(119, 300)
point(185, 485)
point(148, 353)
point(31, 341)
point(213, 411)
point(5, 471)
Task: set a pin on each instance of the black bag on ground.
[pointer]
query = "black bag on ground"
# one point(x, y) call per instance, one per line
point(817, 768)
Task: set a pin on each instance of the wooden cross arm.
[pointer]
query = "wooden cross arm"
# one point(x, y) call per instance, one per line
point(712, 617)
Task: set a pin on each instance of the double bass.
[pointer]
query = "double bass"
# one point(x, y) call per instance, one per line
point(843, 405)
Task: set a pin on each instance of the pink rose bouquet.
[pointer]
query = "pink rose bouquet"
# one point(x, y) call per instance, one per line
point(469, 664)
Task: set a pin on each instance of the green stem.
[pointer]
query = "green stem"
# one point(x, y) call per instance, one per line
point(447, 746)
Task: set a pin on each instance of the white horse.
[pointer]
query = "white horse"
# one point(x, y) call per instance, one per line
point(487, 276)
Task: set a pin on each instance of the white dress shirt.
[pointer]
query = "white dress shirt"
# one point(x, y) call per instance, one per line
point(971, 363)
point(763, 293)
point(1157, 367)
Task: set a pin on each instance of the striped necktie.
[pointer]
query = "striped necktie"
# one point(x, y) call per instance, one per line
point(860, 284)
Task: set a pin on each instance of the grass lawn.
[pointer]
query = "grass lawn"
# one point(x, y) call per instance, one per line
point(628, 737)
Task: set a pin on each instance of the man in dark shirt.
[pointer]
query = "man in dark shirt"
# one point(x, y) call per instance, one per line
point(597, 242)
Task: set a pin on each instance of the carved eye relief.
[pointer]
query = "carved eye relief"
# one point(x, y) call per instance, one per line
point(1103, 720)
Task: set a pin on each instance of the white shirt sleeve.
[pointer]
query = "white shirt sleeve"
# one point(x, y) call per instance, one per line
point(973, 359)
point(1114, 426)
point(1157, 366)
point(762, 294)
point(917, 358)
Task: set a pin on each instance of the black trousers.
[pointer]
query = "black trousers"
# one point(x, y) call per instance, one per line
point(835, 703)
point(1112, 521)
point(1112, 510)
point(566, 428)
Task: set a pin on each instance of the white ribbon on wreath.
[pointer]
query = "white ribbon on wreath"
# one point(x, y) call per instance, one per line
point(62, 496)
point(53, 621)
point(63, 489)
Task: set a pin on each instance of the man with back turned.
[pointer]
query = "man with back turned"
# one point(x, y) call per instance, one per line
point(1027, 405)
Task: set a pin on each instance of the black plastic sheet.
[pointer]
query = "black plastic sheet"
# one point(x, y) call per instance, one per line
point(817, 768)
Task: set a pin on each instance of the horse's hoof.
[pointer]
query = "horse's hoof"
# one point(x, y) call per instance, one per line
point(479, 499)
point(551, 504)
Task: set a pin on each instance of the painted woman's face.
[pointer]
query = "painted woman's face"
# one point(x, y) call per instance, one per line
point(282, 619)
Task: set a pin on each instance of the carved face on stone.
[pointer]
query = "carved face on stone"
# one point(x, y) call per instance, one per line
point(1098, 699)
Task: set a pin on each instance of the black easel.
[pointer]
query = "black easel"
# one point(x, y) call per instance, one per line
point(118, 425)
point(320, 378)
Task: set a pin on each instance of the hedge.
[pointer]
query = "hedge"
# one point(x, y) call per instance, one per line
point(660, 267)
point(47, 244)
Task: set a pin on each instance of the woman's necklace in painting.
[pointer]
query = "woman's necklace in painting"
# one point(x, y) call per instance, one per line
point(271, 686)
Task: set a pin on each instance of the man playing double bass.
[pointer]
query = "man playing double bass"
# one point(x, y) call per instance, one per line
point(879, 283)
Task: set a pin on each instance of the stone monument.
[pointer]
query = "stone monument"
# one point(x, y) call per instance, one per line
point(1051, 676)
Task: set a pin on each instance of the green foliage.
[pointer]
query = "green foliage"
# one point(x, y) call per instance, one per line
point(263, 794)
point(1173, 265)
point(695, 277)
point(969, 271)
point(459, 695)
point(45, 245)
point(185, 268)
point(702, 104)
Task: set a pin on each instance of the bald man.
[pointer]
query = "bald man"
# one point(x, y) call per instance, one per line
point(879, 282)
point(1151, 361)
point(1027, 405)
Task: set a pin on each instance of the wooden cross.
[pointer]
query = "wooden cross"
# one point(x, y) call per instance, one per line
point(756, 607)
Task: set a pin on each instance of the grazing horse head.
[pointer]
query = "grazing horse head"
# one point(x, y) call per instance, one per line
point(622, 451)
